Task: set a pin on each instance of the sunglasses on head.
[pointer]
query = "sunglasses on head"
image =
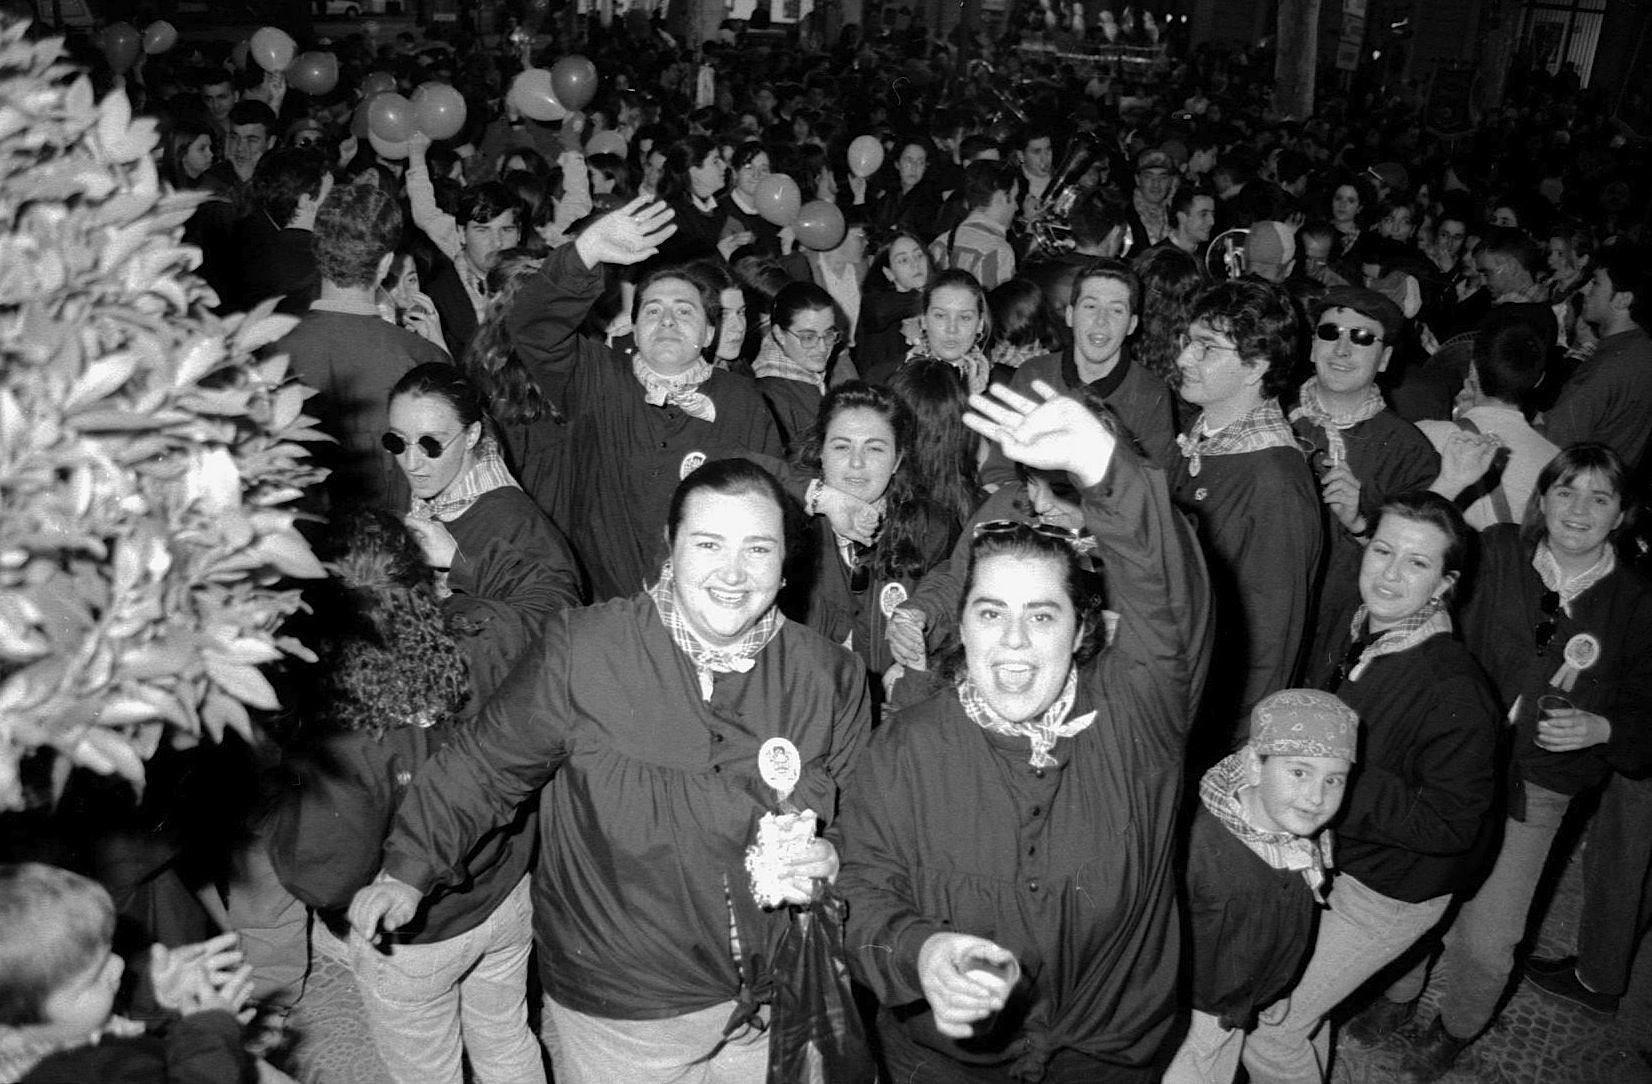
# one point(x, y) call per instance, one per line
point(1000, 528)
point(432, 448)
point(1359, 336)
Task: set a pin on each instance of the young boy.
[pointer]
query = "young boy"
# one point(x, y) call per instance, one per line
point(1256, 874)
point(58, 980)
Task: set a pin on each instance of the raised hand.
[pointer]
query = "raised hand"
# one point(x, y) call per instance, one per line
point(629, 235)
point(1464, 460)
point(1052, 432)
point(1339, 489)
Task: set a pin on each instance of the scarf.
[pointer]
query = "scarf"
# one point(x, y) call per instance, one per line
point(973, 366)
point(1262, 428)
point(485, 475)
point(738, 658)
point(1313, 408)
point(1154, 218)
point(1043, 731)
point(772, 361)
point(1219, 791)
point(1548, 570)
point(1411, 631)
point(1012, 356)
point(681, 391)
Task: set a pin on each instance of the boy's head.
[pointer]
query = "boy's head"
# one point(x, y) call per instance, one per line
point(57, 969)
point(1302, 743)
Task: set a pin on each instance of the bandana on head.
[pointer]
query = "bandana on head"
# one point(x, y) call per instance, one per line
point(681, 391)
point(1304, 723)
point(1219, 791)
point(1043, 731)
point(737, 658)
point(1313, 408)
point(1431, 620)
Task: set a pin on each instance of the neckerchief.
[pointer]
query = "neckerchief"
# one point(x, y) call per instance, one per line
point(1262, 428)
point(1411, 631)
point(681, 391)
point(973, 366)
point(1013, 357)
point(1154, 218)
point(485, 475)
point(1548, 570)
point(1313, 408)
point(1219, 791)
point(771, 360)
point(1043, 731)
point(736, 659)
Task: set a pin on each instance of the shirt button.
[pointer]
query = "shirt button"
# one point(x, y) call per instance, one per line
point(1037, 810)
point(717, 768)
point(662, 444)
point(1032, 850)
point(1038, 773)
point(716, 737)
point(1032, 886)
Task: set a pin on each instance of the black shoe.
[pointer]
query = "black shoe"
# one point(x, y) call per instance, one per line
point(1433, 1056)
point(1542, 965)
point(1566, 986)
point(1378, 1020)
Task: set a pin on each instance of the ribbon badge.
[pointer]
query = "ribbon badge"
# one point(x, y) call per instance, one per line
point(1582, 651)
point(890, 597)
point(692, 462)
point(781, 766)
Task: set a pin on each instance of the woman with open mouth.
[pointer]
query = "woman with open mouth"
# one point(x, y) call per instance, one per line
point(1414, 825)
point(1008, 843)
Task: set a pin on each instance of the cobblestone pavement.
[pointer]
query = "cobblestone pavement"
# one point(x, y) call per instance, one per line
point(1538, 1039)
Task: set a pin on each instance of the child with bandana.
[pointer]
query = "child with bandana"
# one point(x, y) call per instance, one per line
point(1257, 870)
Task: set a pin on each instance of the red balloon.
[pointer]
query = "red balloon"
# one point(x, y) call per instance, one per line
point(574, 79)
point(819, 225)
point(377, 83)
point(778, 199)
point(314, 73)
point(120, 46)
point(439, 110)
point(159, 36)
point(390, 117)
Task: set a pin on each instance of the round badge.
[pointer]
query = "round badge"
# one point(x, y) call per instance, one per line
point(1582, 651)
point(692, 462)
point(889, 598)
point(780, 765)
point(1201, 493)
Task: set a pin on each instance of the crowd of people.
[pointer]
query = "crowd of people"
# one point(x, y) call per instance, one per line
point(1167, 568)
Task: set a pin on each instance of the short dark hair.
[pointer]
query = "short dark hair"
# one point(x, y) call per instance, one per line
point(486, 202)
point(1513, 243)
point(1627, 267)
point(983, 180)
point(1261, 320)
point(1181, 202)
point(355, 228)
point(1423, 506)
point(54, 924)
point(1509, 355)
point(1114, 271)
point(796, 298)
point(1590, 458)
point(703, 284)
point(252, 111)
point(734, 478)
point(283, 176)
point(439, 380)
point(1093, 218)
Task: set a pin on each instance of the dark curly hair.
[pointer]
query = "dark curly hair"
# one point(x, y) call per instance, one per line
point(355, 228)
point(941, 459)
point(387, 658)
point(1261, 320)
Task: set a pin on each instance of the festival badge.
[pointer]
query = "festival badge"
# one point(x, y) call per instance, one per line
point(1582, 651)
point(889, 598)
point(783, 836)
point(692, 462)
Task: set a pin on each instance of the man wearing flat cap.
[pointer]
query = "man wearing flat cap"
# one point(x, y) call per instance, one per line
point(1362, 451)
point(1149, 203)
point(1258, 869)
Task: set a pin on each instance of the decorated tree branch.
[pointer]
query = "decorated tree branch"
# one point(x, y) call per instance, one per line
point(149, 460)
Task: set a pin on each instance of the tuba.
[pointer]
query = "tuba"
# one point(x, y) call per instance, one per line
point(1225, 255)
point(1051, 233)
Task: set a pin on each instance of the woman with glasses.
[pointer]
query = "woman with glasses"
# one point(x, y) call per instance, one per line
point(862, 443)
point(466, 505)
point(792, 363)
point(750, 166)
point(1414, 821)
point(1007, 847)
point(1565, 631)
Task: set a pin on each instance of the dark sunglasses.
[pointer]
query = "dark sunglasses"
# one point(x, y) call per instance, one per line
point(1550, 605)
point(1359, 336)
point(432, 448)
point(998, 528)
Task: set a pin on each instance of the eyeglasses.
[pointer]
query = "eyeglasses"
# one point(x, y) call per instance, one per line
point(1007, 528)
point(1359, 336)
point(1549, 603)
point(808, 340)
point(1201, 347)
point(432, 448)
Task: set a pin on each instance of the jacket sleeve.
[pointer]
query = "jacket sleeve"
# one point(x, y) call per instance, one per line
point(544, 322)
point(1439, 805)
point(440, 227)
point(477, 782)
point(525, 566)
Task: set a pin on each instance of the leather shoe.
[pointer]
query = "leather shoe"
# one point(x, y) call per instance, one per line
point(1378, 1020)
point(1566, 986)
point(1432, 1056)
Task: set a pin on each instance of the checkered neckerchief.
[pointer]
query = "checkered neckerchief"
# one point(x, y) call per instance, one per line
point(708, 660)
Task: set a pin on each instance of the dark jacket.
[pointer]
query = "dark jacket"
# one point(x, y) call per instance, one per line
point(947, 827)
point(1252, 925)
point(1417, 818)
point(202, 1048)
point(1504, 608)
point(880, 348)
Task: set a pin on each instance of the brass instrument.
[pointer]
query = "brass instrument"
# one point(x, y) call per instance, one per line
point(1225, 256)
point(1051, 232)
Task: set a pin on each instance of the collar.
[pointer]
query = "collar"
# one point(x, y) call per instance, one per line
point(1104, 386)
point(1219, 791)
point(485, 475)
point(1043, 732)
point(1549, 571)
point(1426, 623)
point(345, 306)
point(1264, 427)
